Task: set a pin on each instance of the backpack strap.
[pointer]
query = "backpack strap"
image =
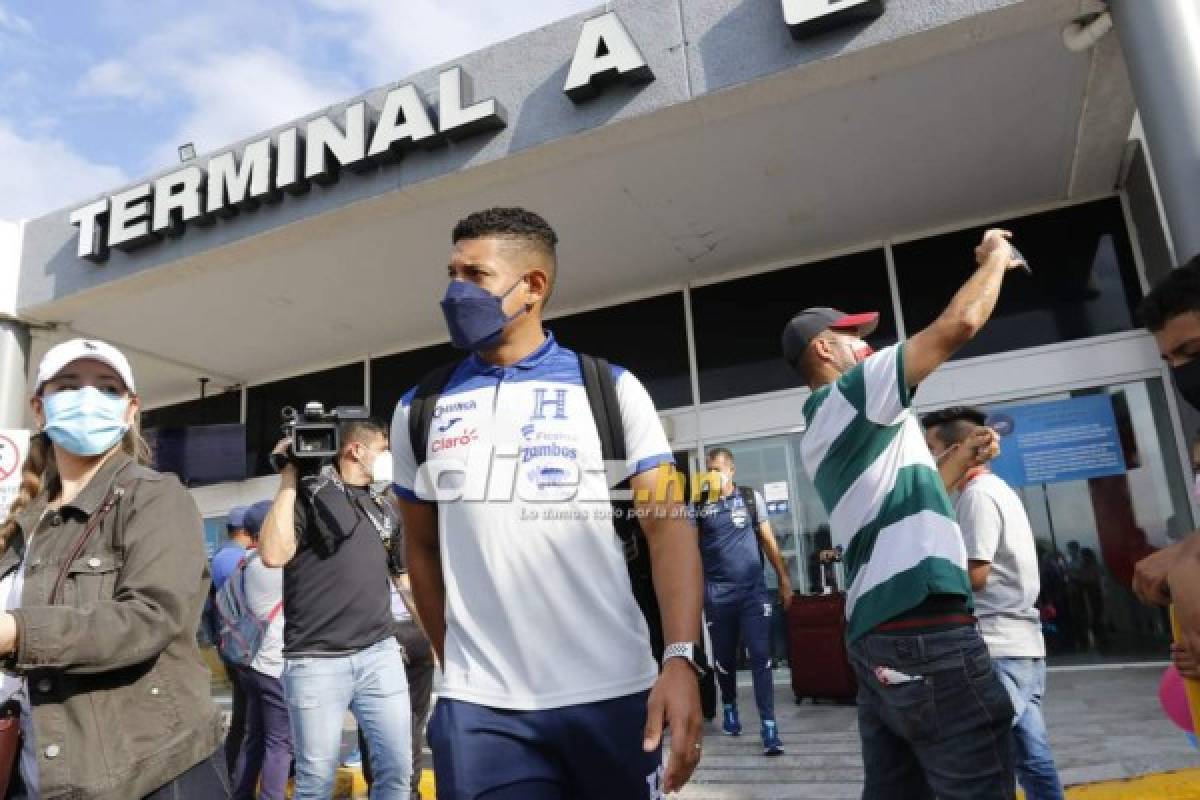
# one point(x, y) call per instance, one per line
point(747, 493)
point(274, 612)
point(244, 600)
point(751, 503)
point(606, 411)
point(424, 403)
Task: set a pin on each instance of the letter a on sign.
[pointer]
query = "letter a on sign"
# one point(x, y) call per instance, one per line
point(606, 54)
point(810, 17)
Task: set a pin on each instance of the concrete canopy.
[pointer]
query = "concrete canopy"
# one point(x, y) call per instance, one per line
point(748, 150)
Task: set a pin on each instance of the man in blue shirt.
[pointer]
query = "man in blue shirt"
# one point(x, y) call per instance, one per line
point(734, 538)
point(225, 560)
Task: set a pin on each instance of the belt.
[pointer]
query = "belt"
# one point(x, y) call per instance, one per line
point(926, 622)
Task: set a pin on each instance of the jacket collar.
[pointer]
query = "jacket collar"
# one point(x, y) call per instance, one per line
point(98, 488)
point(88, 500)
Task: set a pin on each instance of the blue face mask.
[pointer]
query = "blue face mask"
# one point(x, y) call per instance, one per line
point(475, 316)
point(86, 422)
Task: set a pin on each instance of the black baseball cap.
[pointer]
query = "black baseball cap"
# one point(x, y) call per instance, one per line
point(809, 323)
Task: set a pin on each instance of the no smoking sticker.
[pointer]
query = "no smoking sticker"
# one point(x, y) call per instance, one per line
point(10, 457)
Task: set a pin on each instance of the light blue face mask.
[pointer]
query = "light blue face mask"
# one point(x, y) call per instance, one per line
point(86, 422)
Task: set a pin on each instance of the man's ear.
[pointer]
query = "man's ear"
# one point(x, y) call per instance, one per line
point(539, 286)
point(823, 349)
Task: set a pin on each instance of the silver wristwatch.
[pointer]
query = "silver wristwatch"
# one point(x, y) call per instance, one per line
point(689, 652)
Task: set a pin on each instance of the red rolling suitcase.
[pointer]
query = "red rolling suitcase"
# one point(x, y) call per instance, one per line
point(817, 648)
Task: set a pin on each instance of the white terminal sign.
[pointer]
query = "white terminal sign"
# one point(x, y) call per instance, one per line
point(366, 138)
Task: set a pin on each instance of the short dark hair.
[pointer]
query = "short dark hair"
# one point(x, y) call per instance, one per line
point(1178, 293)
point(358, 430)
point(507, 223)
point(953, 425)
point(717, 452)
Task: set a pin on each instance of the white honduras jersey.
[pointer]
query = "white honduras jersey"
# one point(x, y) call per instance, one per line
point(539, 610)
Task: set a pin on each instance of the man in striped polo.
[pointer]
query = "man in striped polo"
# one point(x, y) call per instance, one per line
point(933, 715)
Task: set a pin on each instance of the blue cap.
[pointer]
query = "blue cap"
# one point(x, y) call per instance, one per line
point(237, 518)
point(256, 515)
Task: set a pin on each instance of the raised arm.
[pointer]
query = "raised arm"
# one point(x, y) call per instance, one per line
point(277, 539)
point(971, 307)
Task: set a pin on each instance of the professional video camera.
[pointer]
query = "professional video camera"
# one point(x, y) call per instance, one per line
point(314, 433)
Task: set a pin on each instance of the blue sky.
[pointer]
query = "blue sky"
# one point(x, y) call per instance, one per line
point(96, 92)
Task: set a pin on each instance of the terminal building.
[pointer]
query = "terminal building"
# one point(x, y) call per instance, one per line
point(711, 167)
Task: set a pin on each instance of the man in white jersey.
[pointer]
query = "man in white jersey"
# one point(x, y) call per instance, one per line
point(519, 578)
point(933, 715)
point(1003, 566)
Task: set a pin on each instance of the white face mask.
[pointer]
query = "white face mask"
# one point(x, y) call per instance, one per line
point(381, 469)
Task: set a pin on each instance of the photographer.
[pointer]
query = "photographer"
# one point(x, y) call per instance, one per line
point(326, 528)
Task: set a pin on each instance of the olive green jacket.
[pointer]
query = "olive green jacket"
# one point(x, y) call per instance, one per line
point(120, 695)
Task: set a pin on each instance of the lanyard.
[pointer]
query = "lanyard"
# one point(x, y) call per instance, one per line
point(383, 524)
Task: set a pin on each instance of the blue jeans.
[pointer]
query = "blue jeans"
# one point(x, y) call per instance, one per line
point(735, 613)
point(944, 734)
point(1025, 679)
point(371, 684)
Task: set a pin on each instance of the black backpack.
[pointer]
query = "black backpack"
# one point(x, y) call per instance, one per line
point(606, 411)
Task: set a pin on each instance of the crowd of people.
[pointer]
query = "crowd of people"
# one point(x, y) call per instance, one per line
point(558, 681)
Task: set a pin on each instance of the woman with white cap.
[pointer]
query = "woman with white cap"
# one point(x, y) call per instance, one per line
point(103, 577)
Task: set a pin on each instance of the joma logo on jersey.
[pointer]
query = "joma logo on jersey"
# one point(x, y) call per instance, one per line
point(450, 442)
point(450, 408)
point(542, 401)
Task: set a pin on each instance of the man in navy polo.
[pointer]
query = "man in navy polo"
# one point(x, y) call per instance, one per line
point(735, 540)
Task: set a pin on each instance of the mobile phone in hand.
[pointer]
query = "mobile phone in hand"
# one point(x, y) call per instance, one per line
point(1016, 255)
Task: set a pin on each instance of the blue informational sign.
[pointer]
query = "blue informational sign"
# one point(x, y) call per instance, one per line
point(1067, 440)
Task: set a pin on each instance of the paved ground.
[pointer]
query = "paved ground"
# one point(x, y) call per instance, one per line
point(1104, 724)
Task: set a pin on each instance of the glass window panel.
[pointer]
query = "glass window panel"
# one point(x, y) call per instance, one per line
point(739, 322)
point(217, 409)
point(1084, 280)
point(392, 376)
point(647, 337)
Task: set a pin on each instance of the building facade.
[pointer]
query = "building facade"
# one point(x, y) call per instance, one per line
point(711, 166)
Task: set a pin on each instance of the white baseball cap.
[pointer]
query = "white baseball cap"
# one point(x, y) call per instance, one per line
point(61, 355)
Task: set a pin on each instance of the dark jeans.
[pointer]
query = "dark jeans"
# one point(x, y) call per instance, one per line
point(267, 745)
point(418, 666)
point(947, 733)
point(208, 780)
point(237, 720)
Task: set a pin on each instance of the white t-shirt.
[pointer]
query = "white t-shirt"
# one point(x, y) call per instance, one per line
point(264, 590)
point(539, 610)
point(996, 529)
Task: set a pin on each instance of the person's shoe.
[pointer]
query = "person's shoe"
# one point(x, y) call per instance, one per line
point(352, 759)
point(732, 725)
point(772, 746)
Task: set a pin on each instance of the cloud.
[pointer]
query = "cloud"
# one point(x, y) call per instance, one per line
point(44, 174)
point(115, 78)
point(15, 23)
point(391, 39)
point(234, 96)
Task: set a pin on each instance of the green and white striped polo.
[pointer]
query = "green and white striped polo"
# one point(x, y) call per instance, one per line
point(866, 454)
